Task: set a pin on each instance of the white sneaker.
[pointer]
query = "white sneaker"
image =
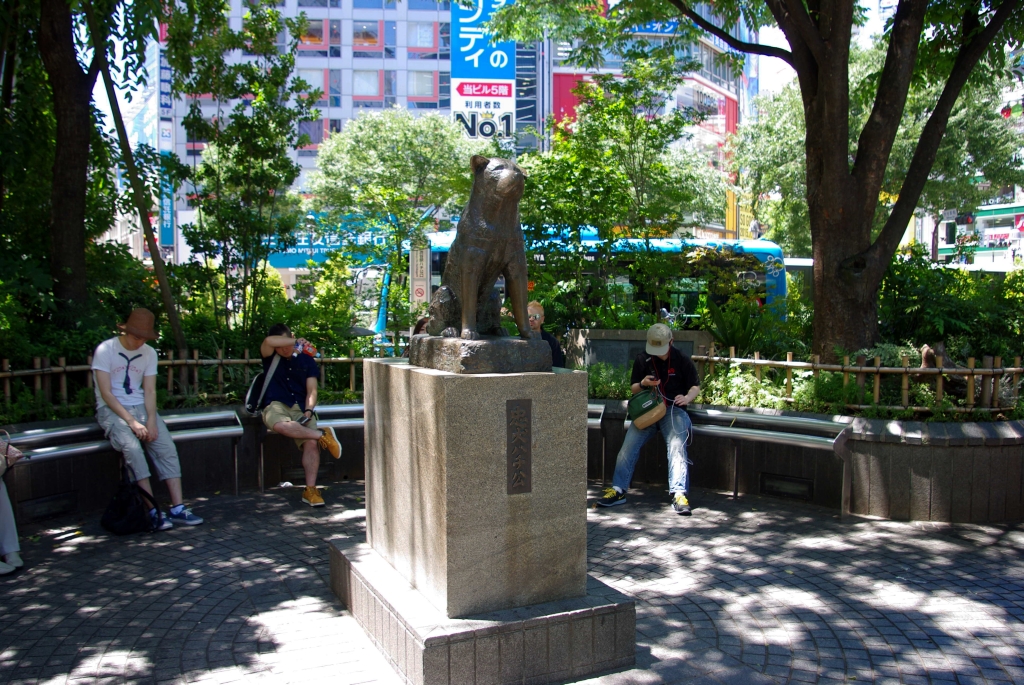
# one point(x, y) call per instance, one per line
point(6, 568)
point(14, 559)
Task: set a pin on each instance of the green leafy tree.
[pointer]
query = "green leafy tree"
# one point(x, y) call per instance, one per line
point(241, 188)
point(391, 174)
point(979, 142)
point(943, 43)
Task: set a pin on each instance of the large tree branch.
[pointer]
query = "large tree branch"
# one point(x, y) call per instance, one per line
point(797, 12)
point(879, 133)
point(880, 253)
point(734, 43)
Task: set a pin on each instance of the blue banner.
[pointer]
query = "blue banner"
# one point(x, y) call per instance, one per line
point(474, 56)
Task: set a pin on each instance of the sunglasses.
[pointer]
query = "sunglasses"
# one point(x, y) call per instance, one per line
point(535, 317)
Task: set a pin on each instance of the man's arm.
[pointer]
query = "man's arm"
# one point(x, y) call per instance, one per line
point(311, 393)
point(683, 400)
point(272, 341)
point(149, 394)
point(103, 383)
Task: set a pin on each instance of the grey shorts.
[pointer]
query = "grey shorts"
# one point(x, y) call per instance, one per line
point(162, 450)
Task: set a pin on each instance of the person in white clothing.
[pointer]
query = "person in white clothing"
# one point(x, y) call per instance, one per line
point(10, 548)
point(125, 371)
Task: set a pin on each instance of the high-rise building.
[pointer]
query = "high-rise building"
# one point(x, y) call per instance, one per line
point(423, 55)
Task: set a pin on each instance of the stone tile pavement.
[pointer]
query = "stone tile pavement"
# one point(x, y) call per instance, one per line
point(753, 591)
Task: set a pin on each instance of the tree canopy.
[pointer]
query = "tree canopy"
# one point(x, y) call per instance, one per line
point(942, 43)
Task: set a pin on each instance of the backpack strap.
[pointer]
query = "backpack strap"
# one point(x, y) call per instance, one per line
point(266, 381)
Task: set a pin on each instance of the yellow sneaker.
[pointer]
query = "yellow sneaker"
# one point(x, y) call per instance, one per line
point(311, 496)
point(329, 441)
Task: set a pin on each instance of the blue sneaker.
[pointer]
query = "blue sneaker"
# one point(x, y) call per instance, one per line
point(160, 522)
point(185, 516)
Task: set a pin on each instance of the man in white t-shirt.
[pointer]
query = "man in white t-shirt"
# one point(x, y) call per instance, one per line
point(125, 380)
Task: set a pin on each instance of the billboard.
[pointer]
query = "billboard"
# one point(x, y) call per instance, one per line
point(483, 73)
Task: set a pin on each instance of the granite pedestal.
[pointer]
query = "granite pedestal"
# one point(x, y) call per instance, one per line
point(490, 354)
point(476, 504)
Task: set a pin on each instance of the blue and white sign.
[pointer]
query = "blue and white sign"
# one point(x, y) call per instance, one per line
point(483, 73)
point(166, 103)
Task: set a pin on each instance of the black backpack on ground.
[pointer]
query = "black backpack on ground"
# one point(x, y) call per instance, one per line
point(254, 396)
point(128, 511)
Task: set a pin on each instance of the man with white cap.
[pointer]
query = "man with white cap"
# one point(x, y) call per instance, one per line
point(125, 371)
point(674, 374)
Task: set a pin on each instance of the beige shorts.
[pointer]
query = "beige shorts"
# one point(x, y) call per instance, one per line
point(276, 412)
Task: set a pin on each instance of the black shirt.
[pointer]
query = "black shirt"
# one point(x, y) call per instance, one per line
point(288, 385)
point(676, 375)
point(557, 358)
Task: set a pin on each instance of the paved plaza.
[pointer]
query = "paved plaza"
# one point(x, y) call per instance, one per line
point(754, 591)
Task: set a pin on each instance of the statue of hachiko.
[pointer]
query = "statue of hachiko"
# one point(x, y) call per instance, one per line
point(488, 243)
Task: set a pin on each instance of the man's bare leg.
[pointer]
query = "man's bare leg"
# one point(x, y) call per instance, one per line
point(173, 487)
point(294, 429)
point(311, 461)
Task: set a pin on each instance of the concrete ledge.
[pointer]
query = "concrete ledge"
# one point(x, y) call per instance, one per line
point(542, 643)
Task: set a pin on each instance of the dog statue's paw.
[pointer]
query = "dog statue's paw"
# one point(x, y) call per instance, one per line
point(468, 334)
point(450, 332)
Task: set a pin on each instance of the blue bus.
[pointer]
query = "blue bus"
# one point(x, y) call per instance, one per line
point(770, 279)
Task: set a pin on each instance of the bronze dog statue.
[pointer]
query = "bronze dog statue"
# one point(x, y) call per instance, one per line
point(488, 243)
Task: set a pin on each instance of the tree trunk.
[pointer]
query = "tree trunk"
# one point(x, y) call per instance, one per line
point(935, 238)
point(8, 61)
point(72, 96)
point(143, 204)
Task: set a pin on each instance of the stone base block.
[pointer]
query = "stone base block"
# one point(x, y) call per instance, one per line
point(486, 355)
point(543, 643)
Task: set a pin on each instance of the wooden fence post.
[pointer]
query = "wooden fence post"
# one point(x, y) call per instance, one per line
point(862, 361)
point(246, 368)
point(170, 373)
point(1016, 380)
point(195, 370)
point(323, 374)
point(220, 371)
point(970, 383)
point(997, 384)
point(732, 352)
point(63, 381)
point(939, 362)
point(757, 367)
point(815, 360)
point(905, 381)
point(789, 376)
point(877, 391)
point(351, 369)
point(36, 364)
point(846, 374)
point(47, 384)
point(7, 381)
point(986, 382)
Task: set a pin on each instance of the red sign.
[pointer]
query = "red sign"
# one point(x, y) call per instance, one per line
point(1018, 222)
point(420, 292)
point(492, 90)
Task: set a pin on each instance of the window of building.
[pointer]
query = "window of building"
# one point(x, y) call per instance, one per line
point(312, 3)
point(430, 5)
point(366, 34)
point(373, 4)
point(390, 40)
point(421, 34)
point(366, 83)
point(444, 89)
point(314, 34)
point(334, 87)
point(313, 129)
point(444, 32)
point(314, 78)
point(334, 126)
point(390, 88)
point(421, 84)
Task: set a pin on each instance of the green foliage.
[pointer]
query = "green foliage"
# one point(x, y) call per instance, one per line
point(736, 326)
point(973, 312)
point(244, 210)
point(391, 174)
point(770, 157)
point(608, 382)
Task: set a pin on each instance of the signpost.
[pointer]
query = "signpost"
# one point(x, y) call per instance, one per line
point(483, 73)
point(419, 275)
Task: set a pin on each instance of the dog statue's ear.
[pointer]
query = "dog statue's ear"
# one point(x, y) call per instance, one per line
point(478, 162)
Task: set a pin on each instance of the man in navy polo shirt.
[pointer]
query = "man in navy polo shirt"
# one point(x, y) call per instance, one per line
point(290, 399)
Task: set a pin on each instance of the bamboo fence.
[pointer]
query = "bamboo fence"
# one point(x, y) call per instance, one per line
point(988, 377)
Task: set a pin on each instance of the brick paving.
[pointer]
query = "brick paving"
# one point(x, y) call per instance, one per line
point(754, 591)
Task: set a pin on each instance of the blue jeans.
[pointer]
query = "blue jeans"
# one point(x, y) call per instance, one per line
point(675, 426)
